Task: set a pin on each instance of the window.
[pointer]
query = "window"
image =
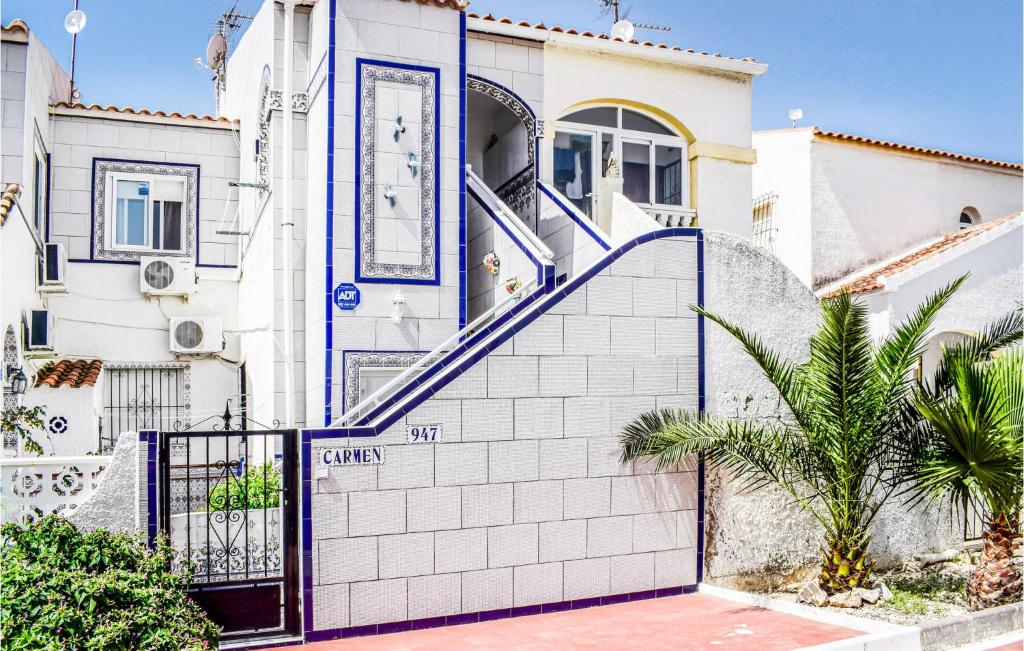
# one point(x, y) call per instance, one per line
point(648, 154)
point(146, 213)
point(969, 217)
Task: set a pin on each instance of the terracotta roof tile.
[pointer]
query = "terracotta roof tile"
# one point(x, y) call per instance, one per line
point(7, 200)
point(569, 30)
point(458, 5)
point(144, 111)
point(74, 373)
point(873, 280)
point(835, 135)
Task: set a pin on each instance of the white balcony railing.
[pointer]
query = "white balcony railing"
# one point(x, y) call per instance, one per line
point(671, 216)
point(32, 487)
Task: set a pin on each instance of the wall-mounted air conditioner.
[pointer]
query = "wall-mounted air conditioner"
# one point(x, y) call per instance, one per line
point(39, 330)
point(202, 334)
point(55, 268)
point(167, 276)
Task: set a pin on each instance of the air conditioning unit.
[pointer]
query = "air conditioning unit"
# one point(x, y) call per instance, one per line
point(167, 276)
point(191, 335)
point(39, 331)
point(55, 268)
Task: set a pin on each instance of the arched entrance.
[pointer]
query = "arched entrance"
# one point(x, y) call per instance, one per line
point(501, 144)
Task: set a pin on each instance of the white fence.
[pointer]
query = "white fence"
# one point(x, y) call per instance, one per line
point(32, 487)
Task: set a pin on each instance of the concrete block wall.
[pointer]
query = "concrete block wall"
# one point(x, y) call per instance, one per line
point(524, 500)
point(82, 136)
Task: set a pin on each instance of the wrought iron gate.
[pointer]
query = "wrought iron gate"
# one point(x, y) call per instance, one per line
point(229, 507)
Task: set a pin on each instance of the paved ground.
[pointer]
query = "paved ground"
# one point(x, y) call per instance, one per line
point(686, 622)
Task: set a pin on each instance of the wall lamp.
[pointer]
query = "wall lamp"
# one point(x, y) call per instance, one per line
point(397, 307)
point(19, 382)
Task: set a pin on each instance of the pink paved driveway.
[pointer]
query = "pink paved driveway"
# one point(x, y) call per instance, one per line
point(686, 622)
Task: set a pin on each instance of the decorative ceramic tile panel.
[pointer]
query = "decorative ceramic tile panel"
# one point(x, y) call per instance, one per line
point(104, 166)
point(397, 203)
point(354, 361)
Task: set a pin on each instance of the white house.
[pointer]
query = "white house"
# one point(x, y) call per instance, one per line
point(437, 260)
point(838, 202)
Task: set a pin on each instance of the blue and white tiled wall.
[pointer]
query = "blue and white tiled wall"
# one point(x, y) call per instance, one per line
point(523, 505)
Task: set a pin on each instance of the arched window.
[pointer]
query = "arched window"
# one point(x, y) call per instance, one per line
point(969, 217)
point(648, 154)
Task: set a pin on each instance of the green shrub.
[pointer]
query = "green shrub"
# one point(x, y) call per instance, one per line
point(68, 589)
point(258, 488)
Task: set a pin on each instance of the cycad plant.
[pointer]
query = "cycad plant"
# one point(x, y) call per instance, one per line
point(836, 452)
point(972, 450)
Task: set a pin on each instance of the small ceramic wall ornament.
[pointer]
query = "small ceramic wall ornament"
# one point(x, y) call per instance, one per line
point(513, 285)
point(492, 262)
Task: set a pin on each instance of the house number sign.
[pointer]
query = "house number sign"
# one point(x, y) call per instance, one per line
point(424, 433)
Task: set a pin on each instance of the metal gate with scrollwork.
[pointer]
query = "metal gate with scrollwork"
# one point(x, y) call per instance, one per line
point(228, 504)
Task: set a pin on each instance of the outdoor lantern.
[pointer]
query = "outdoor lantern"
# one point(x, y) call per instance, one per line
point(19, 383)
point(397, 307)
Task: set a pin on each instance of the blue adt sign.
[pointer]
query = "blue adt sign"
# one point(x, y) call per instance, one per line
point(346, 296)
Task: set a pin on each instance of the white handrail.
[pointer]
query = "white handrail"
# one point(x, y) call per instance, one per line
point(375, 397)
point(53, 461)
point(506, 214)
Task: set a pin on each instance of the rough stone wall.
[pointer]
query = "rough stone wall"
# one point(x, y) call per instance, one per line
point(755, 539)
point(524, 500)
point(114, 504)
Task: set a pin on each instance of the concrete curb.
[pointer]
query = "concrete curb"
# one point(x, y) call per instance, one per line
point(975, 627)
point(879, 636)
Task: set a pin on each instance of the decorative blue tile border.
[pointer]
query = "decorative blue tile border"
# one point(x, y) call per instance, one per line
point(491, 615)
point(545, 272)
point(329, 217)
point(306, 510)
point(701, 402)
point(150, 438)
point(585, 224)
point(428, 80)
point(352, 361)
point(463, 257)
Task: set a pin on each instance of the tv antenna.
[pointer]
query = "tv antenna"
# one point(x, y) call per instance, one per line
point(621, 25)
point(220, 44)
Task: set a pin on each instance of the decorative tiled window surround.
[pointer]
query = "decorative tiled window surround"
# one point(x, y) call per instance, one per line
point(397, 237)
point(102, 167)
point(356, 360)
point(263, 135)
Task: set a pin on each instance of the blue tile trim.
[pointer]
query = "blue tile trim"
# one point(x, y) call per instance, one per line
point(491, 615)
point(587, 226)
point(701, 403)
point(329, 216)
point(463, 283)
point(399, 280)
point(92, 212)
point(46, 211)
point(306, 517)
point(545, 272)
point(454, 364)
point(150, 438)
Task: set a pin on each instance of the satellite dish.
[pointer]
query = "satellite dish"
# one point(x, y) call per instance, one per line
point(74, 22)
point(623, 29)
point(215, 50)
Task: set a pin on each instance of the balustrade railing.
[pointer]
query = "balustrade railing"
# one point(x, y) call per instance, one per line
point(671, 217)
point(33, 487)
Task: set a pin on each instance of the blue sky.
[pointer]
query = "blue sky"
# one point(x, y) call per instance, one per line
point(937, 73)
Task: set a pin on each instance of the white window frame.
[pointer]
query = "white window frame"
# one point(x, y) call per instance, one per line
point(111, 210)
point(654, 139)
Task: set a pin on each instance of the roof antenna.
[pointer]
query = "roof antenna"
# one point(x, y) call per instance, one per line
point(622, 27)
point(218, 46)
point(74, 22)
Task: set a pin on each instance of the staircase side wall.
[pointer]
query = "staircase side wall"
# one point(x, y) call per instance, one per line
point(523, 501)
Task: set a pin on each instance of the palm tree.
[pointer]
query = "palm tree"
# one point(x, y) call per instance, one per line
point(837, 451)
point(972, 450)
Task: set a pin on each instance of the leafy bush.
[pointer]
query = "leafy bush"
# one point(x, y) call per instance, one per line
point(68, 589)
point(258, 488)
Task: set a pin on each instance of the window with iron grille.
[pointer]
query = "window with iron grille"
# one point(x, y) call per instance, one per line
point(764, 230)
point(144, 396)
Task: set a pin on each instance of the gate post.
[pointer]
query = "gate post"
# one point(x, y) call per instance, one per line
point(147, 498)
